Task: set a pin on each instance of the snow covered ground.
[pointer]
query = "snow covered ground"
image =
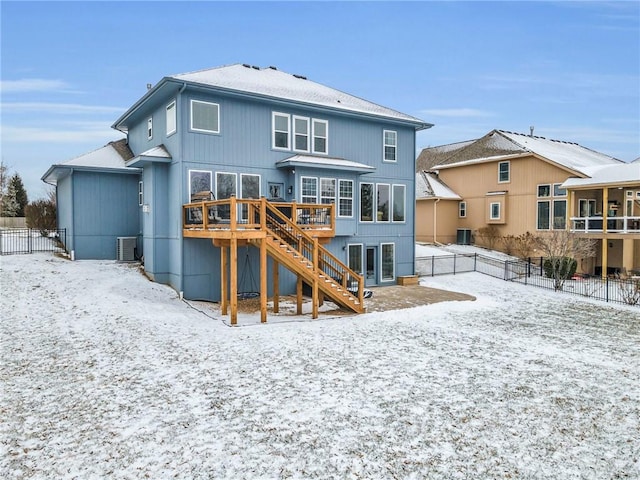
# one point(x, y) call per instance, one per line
point(107, 375)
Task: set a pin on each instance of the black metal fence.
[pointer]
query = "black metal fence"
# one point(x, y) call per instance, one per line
point(28, 240)
point(530, 272)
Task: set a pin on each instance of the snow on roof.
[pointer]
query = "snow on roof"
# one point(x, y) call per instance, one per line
point(159, 151)
point(609, 174)
point(429, 186)
point(273, 83)
point(567, 154)
point(112, 155)
point(324, 162)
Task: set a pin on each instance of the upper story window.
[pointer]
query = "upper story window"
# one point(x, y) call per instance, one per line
point(281, 126)
point(320, 136)
point(171, 118)
point(205, 117)
point(301, 134)
point(558, 191)
point(462, 209)
point(504, 172)
point(544, 191)
point(140, 193)
point(150, 128)
point(390, 145)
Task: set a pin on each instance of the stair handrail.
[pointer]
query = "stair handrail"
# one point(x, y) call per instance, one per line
point(322, 263)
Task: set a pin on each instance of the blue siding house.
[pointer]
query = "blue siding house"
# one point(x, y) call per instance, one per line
point(243, 170)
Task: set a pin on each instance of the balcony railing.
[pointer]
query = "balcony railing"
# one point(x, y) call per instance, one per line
point(614, 224)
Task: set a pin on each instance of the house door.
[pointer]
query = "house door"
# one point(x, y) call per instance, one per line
point(370, 267)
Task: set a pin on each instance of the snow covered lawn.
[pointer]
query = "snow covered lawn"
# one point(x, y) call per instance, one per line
point(107, 375)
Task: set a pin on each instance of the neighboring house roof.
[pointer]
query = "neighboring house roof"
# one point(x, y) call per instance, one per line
point(111, 157)
point(431, 156)
point(618, 175)
point(429, 186)
point(274, 84)
point(325, 162)
point(500, 144)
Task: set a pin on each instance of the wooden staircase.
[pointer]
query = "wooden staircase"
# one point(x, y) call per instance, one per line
point(303, 255)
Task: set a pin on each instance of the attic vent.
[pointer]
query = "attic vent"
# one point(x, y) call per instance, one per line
point(302, 77)
point(255, 68)
point(272, 67)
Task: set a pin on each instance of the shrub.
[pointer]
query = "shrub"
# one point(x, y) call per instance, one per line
point(560, 268)
point(41, 215)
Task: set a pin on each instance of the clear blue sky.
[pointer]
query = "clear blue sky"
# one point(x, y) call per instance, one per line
point(571, 69)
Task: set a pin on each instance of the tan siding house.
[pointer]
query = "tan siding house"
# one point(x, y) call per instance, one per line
point(517, 183)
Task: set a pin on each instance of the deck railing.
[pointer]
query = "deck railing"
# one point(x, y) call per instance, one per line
point(614, 224)
point(240, 214)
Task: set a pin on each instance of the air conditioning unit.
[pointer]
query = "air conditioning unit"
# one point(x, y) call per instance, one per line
point(126, 248)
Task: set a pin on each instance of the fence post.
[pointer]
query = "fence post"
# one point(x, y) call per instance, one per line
point(29, 237)
point(606, 285)
point(433, 262)
point(475, 262)
point(454, 263)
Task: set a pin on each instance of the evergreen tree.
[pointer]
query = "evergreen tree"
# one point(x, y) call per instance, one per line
point(20, 194)
point(3, 186)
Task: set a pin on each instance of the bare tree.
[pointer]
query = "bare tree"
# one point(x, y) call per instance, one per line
point(525, 243)
point(561, 248)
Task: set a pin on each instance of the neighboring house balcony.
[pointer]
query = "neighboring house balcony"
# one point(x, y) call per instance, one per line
point(595, 225)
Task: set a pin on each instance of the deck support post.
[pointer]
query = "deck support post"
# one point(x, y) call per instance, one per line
point(224, 267)
point(299, 296)
point(263, 279)
point(276, 286)
point(314, 287)
point(233, 264)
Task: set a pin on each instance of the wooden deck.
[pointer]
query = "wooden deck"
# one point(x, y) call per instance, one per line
point(291, 233)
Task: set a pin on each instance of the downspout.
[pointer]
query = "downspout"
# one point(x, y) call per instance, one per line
point(435, 221)
point(181, 243)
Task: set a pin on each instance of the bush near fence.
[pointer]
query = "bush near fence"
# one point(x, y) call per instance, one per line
point(531, 272)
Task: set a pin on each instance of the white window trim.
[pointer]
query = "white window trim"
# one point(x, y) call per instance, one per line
point(559, 195)
point(393, 198)
point(553, 210)
point(508, 180)
point(491, 216)
point(345, 198)
point(302, 195)
point(544, 185)
point(314, 136)
point(462, 209)
point(140, 193)
point(203, 130)
point(273, 130)
point(373, 202)
point(295, 134)
point(174, 114)
point(150, 128)
point(211, 179)
point(361, 245)
point(389, 213)
point(335, 190)
point(538, 213)
point(385, 145)
point(393, 276)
